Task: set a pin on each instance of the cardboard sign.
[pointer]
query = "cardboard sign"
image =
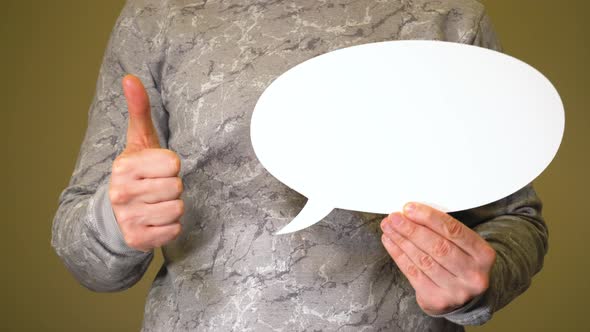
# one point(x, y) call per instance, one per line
point(373, 126)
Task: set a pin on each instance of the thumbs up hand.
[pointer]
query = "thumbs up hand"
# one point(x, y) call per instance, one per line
point(144, 188)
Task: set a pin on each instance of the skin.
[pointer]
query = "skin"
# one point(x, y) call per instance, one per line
point(446, 262)
point(144, 187)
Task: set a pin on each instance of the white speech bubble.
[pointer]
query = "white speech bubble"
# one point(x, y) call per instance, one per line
point(373, 126)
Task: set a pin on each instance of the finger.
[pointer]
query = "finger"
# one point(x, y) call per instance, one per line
point(161, 235)
point(148, 163)
point(141, 132)
point(444, 252)
point(154, 190)
point(162, 213)
point(161, 189)
point(446, 226)
point(417, 278)
point(438, 274)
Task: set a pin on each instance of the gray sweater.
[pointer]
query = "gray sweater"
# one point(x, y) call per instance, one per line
point(204, 65)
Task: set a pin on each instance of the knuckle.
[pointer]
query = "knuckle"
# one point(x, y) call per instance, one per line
point(174, 162)
point(178, 207)
point(398, 239)
point(173, 234)
point(176, 230)
point(132, 240)
point(120, 166)
point(393, 251)
point(413, 270)
point(384, 238)
point(442, 306)
point(462, 297)
point(427, 213)
point(118, 195)
point(410, 229)
point(382, 225)
point(453, 228)
point(124, 216)
point(179, 185)
point(438, 305)
point(426, 262)
point(114, 196)
point(480, 282)
point(425, 305)
point(421, 301)
point(488, 254)
point(441, 248)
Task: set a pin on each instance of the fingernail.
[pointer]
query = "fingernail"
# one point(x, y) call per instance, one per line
point(126, 80)
point(409, 208)
point(386, 226)
point(396, 219)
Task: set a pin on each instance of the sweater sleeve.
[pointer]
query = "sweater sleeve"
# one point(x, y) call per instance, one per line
point(513, 226)
point(85, 234)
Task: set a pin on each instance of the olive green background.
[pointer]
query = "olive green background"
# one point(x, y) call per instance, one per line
point(50, 55)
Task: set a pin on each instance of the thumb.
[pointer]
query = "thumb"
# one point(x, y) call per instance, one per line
point(141, 133)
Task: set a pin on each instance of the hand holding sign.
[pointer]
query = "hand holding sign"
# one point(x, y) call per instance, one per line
point(447, 263)
point(144, 186)
point(371, 127)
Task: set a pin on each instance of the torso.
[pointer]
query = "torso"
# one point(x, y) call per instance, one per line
point(228, 271)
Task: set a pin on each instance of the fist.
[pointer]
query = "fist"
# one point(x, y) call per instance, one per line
point(144, 187)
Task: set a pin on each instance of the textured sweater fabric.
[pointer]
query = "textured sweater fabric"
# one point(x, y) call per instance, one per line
point(204, 65)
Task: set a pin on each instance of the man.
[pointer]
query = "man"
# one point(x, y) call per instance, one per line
point(183, 175)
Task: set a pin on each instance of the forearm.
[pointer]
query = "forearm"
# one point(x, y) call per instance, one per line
point(88, 250)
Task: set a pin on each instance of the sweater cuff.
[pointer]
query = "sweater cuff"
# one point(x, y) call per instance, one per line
point(107, 226)
point(475, 312)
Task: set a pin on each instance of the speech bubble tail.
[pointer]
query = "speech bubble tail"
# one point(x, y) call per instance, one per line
point(312, 212)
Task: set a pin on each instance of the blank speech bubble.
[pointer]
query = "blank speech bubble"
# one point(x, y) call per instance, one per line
point(373, 126)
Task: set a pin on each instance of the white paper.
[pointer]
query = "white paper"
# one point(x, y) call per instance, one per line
point(373, 126)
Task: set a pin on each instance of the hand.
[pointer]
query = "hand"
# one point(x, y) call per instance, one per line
point(446, 262)
point(144, 187)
